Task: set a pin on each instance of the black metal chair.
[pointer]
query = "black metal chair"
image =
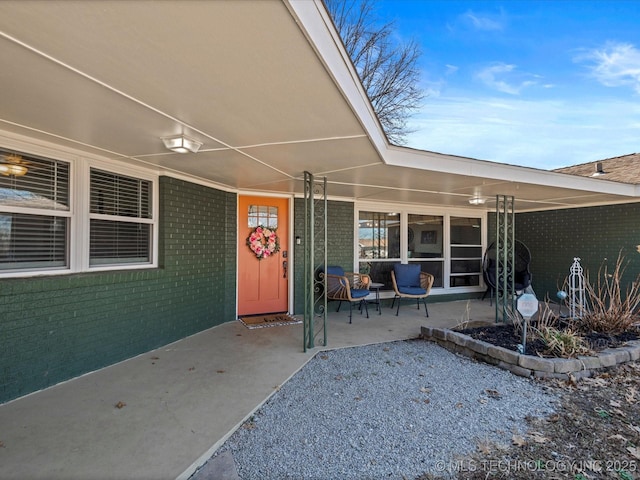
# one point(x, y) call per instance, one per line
point(521, 274)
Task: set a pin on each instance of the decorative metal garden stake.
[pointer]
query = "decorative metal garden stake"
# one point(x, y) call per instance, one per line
point(562, 296)
point(576, 290)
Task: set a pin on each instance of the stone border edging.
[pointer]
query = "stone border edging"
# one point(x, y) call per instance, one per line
point(531, 365)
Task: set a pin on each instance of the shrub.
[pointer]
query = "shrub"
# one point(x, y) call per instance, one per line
point(564, 343)
point(609, 310)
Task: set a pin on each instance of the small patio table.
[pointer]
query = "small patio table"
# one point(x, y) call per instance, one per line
point(376, 288)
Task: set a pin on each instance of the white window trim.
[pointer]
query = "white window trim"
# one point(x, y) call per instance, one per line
point(86, 216)
point(404, 210)
point(78, 213)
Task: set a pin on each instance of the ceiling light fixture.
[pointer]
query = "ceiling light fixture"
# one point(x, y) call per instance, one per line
point(182, 144)
point(7, 169)
point(477, 200)
point(13, 165)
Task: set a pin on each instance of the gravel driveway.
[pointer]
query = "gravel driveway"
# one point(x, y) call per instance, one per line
point(393, 410)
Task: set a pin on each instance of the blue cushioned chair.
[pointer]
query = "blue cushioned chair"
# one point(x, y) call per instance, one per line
point(347, 287)
point(410, 282)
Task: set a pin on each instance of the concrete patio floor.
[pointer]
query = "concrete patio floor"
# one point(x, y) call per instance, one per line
point(181, 402)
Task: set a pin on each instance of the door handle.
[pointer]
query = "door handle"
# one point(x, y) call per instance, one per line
point(284, 269)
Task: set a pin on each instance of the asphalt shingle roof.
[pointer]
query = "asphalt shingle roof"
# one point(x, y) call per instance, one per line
point(624, 169)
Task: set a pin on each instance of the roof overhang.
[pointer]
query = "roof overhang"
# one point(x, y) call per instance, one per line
point(265, 85)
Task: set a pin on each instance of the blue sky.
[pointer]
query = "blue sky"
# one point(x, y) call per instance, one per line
point(543, 84)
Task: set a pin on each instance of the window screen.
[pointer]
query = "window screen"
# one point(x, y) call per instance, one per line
point(119, 206)
point(32, 242)
point(121, 196)
point(34, 210)
point(44, 184)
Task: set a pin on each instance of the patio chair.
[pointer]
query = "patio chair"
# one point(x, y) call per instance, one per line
point(347, 287)
point(521, 276)
point(410, 282)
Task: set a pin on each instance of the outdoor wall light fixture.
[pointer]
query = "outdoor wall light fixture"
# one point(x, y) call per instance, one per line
point(182, 144)
point(477, 200)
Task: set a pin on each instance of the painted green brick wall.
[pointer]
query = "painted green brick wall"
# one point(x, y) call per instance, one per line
point(340, 222)
point(58, 327)
point(595, 234)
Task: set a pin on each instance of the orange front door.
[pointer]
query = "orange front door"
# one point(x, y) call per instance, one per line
point(263, 284)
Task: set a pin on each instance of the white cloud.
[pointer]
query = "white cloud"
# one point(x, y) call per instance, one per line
point(504, 78)
point(615, 65)
point(451, 69)
point(541, 134)
point(484, 22)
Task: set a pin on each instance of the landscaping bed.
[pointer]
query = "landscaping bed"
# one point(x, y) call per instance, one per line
point(503, 336)
point(594, 434)
point(530, 364)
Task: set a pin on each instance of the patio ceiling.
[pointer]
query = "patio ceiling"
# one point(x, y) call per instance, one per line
point(264, 84)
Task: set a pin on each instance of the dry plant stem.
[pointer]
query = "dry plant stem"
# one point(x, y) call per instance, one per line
point(611, 311)
point(547, 318)
point(516, 321)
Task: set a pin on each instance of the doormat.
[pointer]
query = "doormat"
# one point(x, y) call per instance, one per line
point(269, 320)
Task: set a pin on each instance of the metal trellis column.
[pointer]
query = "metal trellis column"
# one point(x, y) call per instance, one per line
point(315, 260)
point(505, 246)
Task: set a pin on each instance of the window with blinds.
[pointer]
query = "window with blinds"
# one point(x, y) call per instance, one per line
point(34, 212)
point(120, 219)
point(48, 206)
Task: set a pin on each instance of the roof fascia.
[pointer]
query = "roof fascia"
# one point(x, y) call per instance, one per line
point(317, 25)
point(439, 162)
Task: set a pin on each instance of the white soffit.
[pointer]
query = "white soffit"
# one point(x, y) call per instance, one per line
point(265, 85)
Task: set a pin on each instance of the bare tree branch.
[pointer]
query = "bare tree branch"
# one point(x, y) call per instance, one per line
point(388, 71)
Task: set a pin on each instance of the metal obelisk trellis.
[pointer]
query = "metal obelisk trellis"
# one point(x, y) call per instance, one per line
point(505, 246)
point(315, 260)
point(576, 290)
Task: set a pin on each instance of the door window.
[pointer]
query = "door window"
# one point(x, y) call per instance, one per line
point(264, 215)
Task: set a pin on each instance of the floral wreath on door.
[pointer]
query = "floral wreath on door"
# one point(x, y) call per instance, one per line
point(263, 242)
